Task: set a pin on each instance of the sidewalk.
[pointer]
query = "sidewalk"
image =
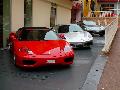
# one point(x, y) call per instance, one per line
point(110, 79)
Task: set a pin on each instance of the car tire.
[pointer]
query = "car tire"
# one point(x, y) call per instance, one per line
point(101, 35)
point(86, 46)
point(92, 34)
point(89, 47)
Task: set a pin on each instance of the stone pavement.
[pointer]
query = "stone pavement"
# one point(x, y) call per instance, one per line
point(110, 79)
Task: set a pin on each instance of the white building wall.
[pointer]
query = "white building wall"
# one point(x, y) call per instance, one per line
point(63, 15)
point(17, 14)
point(41, 13)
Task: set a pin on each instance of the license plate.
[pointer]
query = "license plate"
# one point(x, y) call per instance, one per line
point(50, 61)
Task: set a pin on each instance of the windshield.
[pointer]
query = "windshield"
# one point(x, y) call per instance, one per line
point(75, 28)
point(89, 22)
point(37, 35)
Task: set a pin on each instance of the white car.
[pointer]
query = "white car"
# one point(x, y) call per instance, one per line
point(93, 28)
point(75, 35)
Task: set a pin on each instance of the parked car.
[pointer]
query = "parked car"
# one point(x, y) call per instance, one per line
point(75, 35)
point(38, 46)
point(92, 27)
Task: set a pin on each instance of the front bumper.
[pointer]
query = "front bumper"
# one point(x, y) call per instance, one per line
point(96, 32)
point(34, 61)
point(81, 44)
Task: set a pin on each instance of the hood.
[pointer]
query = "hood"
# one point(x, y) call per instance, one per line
point(42, 47)
point(96, 28)
point(77, 36)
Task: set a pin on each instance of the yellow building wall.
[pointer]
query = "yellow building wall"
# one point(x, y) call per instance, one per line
point(86, 7)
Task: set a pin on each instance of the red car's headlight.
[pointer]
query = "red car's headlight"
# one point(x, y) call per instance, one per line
point(26, 50)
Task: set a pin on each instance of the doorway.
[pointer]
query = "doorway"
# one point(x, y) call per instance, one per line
point(1, 23)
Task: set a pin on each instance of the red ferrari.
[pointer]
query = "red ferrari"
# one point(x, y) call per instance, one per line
point(39, 46)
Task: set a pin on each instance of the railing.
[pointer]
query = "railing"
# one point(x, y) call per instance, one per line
point(100, 20)
point(111, 24)
point(110, 32)
point(101, 14)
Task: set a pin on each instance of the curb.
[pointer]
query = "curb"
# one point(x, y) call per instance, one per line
point(95, 73)
point(6, 48)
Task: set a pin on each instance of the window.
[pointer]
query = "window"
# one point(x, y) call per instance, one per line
point(106, 7)
point(63, 29)
point(75, 28)
point(36, 34)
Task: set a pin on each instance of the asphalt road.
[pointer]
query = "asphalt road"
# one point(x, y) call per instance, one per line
point(51, 77)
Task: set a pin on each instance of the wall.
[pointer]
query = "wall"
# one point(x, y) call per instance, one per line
point(63, 15)
point(41, 13)
point(87, 9)
point(6, 21)
point(42, 9)
point(63, 3)
point(17, 14)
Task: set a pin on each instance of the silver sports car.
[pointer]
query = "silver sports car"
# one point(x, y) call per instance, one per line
point(93, 28)
point(75, 35)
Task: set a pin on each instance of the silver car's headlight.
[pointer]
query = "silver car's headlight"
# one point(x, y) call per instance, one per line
point(67, 48)
point(89, 35)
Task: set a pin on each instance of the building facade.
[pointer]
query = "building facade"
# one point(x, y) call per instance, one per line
point(109, 5)
point(88, 6)
point(101, 5)
point(36, 13)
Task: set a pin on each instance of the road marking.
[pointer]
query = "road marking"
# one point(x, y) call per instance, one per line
point(99, 41)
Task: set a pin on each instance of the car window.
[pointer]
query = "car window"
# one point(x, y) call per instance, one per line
point(37, 35)
point(63, 29)
point(51, 36)
point(75, 28)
